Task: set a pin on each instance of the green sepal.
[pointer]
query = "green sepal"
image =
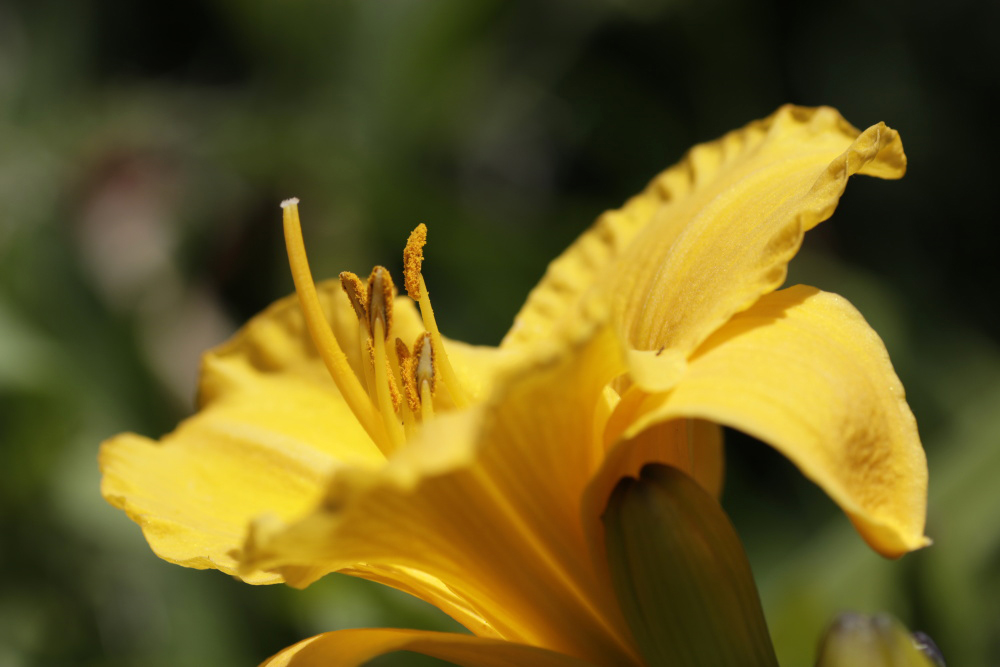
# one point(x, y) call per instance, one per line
point(682, 578)
point(856, 640)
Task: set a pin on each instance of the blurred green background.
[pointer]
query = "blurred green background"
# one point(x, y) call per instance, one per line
point(144, 148)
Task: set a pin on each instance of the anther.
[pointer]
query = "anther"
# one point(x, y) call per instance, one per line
point(357, 294)
point(407, 372)
point(425, 374)
point(423, 351)
point(381, 293)
point(402, 352)
point(413, 257)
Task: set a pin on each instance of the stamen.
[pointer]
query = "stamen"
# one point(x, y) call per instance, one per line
point(424, 374)
point(322, 335)
point(407, 371)
point(368, 351)
point(425, 369)
point(402, 354)
point(413, 257)
point(413, 279)
point(393, 389)
point(395, 369)
point(381, 293)
point(380, 296)
point(426, 402)
point(357, 293)
point(384, 388)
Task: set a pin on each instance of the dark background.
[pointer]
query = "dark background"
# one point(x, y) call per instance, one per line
point(144, 149)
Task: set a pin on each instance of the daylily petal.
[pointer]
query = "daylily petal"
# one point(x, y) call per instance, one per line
point(802, 371)
point(691, 445)
point(710, 235)
point(478, 366)
point(271, 430)
point(430, 589)
point(486, 501)
point(351, 648)
point(195, 492)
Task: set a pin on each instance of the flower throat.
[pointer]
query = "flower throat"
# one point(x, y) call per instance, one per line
point(401, 384)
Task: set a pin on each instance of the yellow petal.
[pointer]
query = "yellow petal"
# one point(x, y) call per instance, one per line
point(487, 501)
point(351, 648)
point(713, 233)
point(477, 366)
point(802, 371)
point(431, 589)
point(691, 445)
point(271, 430)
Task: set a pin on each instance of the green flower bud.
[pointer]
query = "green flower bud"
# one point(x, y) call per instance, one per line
point(857, 640)
point(681, 575)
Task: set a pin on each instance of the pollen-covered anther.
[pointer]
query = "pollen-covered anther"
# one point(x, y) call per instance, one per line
point(369, 346)
point(357, 294)
point(407, 374)
point(402, 353)
point(413, 258)
point(425, 374)
point(425, 370)
point(381, 293)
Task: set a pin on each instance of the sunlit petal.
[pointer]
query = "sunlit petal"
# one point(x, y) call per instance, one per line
point(194, 492)
point(712, 234)
point(487, 501)
point(271, 430)
point(351, 648)
point(802, 371)
point(478, 366)
point(430, 589)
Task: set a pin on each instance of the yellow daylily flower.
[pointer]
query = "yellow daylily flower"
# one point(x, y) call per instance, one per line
point(339, 431)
